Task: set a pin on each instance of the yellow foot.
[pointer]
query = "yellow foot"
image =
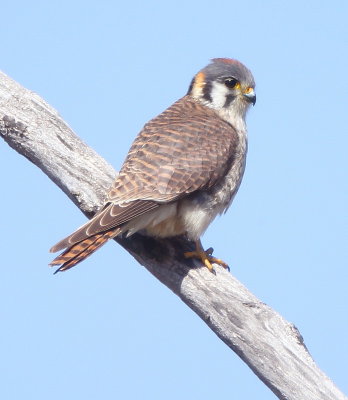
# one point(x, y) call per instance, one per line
point(206, 257)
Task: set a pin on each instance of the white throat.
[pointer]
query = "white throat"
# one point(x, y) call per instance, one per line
point(233, 117)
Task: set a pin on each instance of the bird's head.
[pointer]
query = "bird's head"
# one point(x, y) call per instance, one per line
point(225, 85)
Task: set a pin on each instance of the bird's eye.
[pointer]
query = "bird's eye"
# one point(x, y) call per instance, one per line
point(231, 82)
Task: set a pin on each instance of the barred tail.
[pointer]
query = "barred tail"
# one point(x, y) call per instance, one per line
point(81, 250)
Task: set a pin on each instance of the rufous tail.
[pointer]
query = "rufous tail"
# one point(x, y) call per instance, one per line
point(81, 250)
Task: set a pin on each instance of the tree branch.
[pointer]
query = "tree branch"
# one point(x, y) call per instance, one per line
point(272, 347)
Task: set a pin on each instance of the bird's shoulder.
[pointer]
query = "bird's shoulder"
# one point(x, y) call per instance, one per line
point(185, 125)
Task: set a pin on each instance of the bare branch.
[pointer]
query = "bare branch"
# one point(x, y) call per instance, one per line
point(272, 347)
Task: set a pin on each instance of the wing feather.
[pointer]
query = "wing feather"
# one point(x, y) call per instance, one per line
point(108, 218)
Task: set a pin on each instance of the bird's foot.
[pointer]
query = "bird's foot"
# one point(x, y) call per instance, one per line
point(206, 257)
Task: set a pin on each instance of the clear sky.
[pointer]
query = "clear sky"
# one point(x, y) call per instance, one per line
point(107, 329)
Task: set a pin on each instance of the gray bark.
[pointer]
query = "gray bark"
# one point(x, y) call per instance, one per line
point(272, 347)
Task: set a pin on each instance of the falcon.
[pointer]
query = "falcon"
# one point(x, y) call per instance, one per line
point(182, 170)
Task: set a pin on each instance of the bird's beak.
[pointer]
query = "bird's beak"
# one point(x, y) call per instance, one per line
point(249, 95)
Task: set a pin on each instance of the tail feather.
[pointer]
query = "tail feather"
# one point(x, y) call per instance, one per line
point(81, 250)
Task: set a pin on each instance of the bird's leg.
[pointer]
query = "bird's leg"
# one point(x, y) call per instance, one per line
point(205, 256)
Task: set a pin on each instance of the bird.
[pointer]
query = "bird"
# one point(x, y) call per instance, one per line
point(182, 170)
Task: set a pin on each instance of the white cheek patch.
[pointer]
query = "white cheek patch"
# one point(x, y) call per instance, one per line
point(219, 93)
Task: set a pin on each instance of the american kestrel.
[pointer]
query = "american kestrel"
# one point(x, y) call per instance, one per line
point(184, 168)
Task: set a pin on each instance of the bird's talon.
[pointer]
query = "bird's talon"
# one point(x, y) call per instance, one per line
point(207, 263)
point(215, 260)
point(205, 256)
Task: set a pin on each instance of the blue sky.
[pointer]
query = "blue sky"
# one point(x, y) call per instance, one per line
point(107, 329)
